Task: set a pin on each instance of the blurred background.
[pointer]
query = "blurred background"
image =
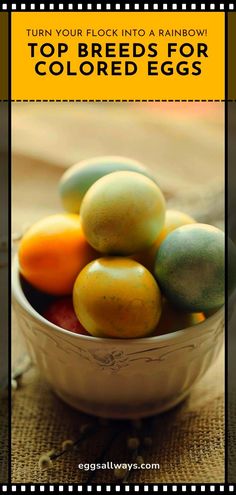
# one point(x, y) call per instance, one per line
point(183, 143)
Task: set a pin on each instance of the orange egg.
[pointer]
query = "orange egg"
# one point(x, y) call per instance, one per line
point(173, 220)
point(52, 253)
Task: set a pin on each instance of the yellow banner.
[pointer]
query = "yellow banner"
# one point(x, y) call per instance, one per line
point(118, 55)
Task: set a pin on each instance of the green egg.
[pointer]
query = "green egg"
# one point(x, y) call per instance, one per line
point(190, 267)
point(76, 181)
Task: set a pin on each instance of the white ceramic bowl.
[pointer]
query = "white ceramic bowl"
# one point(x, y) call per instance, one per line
point(118, 378)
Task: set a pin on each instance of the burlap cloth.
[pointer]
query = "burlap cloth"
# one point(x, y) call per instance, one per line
point(188, 441)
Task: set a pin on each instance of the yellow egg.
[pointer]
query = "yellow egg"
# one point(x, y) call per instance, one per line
point(122, 213)
point(173, 220)
point(117, 297)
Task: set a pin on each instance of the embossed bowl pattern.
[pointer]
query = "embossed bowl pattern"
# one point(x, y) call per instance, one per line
point(118, 378)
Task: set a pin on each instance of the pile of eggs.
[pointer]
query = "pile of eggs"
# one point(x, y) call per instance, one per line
point(117, 263)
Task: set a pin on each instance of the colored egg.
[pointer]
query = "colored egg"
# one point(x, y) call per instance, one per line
point(173, 319)
point(173, 220)
point(76, 181)
point(122, 213)
point(52, 253)
point(117, 297)
point(189, 267)
point(61, 313)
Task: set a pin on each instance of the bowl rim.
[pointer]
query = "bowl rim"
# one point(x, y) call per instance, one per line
point(20, 298)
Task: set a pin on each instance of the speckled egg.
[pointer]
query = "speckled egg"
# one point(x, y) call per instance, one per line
point(190, 267)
